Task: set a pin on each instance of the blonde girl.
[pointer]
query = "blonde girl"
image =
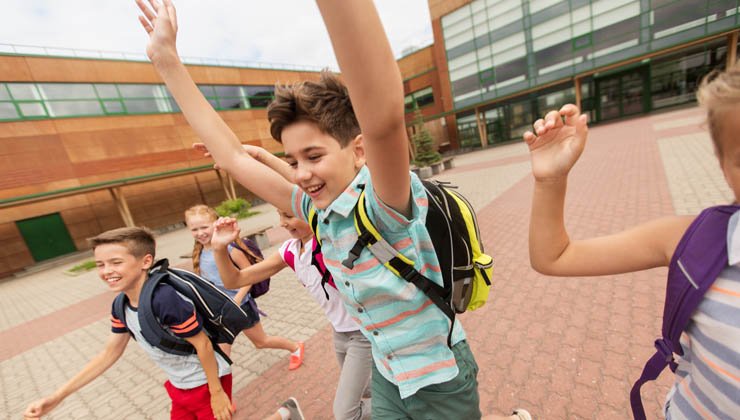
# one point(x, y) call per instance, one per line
point(199, 220)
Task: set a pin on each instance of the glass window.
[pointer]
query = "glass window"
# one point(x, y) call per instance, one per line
point(257, 102)
point(141, 106)
point(555, 100)
point(537, 5)
point(228, 91)
point(23, 91)
point(230, 103)
point(4, 92)
point(138, 91)
point(73, 108)
point(408, 103)
point(207, 91)
point(616, 14)
point(259, 90)
point(113, 107)
point(455, 16)
point(67, 91)
point(32, 109)
point(521, 117)
point(8, 111)
point(106, 90)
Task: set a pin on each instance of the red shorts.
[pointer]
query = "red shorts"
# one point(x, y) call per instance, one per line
point(194, 403)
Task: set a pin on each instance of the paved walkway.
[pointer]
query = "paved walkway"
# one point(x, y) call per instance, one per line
point(561, 347)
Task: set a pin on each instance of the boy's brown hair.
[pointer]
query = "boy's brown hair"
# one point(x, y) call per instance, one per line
point(138, 240)
point(325, 103)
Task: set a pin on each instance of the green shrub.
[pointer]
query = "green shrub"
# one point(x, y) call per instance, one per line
point(83, 266)
point(238, 208)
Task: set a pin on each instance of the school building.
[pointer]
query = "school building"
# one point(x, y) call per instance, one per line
point(89, 144)
point(497, 65)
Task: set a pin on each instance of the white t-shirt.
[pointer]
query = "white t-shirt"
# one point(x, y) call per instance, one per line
point(310, 277)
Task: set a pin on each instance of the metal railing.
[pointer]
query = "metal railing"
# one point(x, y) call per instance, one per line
point(35, 50)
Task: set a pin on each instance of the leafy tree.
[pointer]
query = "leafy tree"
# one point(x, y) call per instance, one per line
point(423, 143)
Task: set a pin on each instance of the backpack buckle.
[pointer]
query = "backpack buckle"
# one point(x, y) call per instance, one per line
point(349, 262)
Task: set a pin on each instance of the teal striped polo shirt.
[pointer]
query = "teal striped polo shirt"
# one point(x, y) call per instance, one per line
point(407, 331)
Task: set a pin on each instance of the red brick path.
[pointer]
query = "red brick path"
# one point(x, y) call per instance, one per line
point(560, 347)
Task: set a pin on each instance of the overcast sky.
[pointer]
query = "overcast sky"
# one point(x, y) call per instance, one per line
point(265, 31)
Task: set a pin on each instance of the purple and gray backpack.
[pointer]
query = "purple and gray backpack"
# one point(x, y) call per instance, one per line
point(253, 253)
point(700, 257)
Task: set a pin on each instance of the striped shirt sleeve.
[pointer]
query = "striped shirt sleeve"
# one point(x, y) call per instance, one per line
point(116, 322)
point(300, 204)
point(389, 220)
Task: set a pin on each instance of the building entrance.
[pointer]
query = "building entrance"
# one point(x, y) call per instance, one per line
point(623, 94)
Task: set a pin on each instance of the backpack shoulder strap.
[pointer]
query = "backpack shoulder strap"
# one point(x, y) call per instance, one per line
point(119, 309)
point(369, 237)
point(313, 221)
point(699, 258)
point(289, 256)
point(151, 329)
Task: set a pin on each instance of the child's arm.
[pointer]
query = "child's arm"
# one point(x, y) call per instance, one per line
point(376, 90)
point(161, 25)
point(113, 350)
point(220, 403)
point(555, 148)
point(226, 230)
point(261, 155)
point(241, 261)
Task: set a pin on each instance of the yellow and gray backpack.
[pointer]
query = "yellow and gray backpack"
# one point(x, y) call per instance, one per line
point(453, 229)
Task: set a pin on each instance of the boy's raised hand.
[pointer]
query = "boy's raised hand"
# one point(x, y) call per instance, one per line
point(160, 22)
point(225, 231)
point(557, 142)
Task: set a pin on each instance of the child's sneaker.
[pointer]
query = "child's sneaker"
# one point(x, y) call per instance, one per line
point(296, 358)
point(292, 407)
point(522, 414)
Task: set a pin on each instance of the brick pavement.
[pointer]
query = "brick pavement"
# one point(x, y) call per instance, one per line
point(561, 347)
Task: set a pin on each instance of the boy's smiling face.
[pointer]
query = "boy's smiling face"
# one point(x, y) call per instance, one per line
point(119, 269)
point(323, 168)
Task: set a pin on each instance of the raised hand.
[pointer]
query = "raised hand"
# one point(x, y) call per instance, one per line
point(557, 142)
point(160, 22)
point(226, 230)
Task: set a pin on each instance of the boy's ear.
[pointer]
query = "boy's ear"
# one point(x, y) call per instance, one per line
point(358, 151)
point(147, 261)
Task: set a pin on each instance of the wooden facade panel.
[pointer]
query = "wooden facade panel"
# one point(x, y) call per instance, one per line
point(215, 75)
point(88, 124)
point(14, 69)
point(439, 8)
point(83, 214)
point(15, 129)
point(117, 144)
point(32, 160)
point(50, 69)
point(417, 62)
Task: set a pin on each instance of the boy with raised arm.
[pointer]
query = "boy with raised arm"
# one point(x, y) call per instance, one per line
point(337, 148)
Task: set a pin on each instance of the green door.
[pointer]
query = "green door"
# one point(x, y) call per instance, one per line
point(46, 236)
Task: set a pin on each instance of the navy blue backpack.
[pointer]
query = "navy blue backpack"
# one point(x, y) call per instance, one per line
point(223, 319)
point(700, 257)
